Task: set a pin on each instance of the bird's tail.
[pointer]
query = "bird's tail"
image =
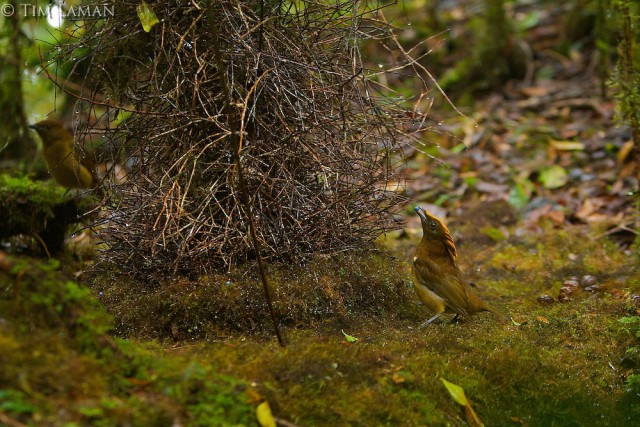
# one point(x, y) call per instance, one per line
point(497, 312)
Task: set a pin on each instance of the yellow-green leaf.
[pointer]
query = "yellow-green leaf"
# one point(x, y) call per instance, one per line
point(520, 193)
point(458, 395)
point(493, 233)
point(566, 145)
point(147, 16)
point(553, 177)
point(264, 415)
point(456, 392)
point(349, 338)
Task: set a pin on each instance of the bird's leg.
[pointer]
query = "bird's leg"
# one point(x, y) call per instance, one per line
point(428, 322)
point(455, 318)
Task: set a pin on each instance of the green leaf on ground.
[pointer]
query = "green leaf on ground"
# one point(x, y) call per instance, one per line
point(553, 177)
point(493, 233)
point(264, 415)
point(520, 193)
point(349, 338)
point(457, 393)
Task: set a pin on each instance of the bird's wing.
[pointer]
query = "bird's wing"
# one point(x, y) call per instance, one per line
point(455, 295)
point(453, 291)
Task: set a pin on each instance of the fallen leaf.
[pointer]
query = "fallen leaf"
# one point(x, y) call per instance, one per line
point(536, 91)
point(587, 208)
point(542, 319)
point(264, 415)
point(397, 378)
point(534, 215)
point(493, 233)
point(556, 216)
point(520, 193)
point(457, 393)
point(618, 293)
point(625, 150)
point(566, 145)
point(553, 177)
point(489, 187)
point(349, 338)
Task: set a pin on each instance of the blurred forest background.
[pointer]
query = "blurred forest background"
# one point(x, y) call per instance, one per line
point(257, 164)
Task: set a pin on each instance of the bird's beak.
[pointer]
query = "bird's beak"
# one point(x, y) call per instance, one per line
point(33, 126)
point(421, 213)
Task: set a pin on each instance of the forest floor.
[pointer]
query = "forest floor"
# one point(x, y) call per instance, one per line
point(538, 199)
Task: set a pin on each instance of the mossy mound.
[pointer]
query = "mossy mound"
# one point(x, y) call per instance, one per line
point(335, 289)
point(40, 211)
point(59, 365)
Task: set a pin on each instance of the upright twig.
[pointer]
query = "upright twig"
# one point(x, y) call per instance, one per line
point(237, 124)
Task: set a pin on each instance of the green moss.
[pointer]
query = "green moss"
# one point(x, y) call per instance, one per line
point(539, 373)
point(335, 289)
point(43, 194)
point(562, 366)
point(37, 212)
point(61, 367)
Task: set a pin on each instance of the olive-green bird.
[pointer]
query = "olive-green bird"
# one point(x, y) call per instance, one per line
point(437, 279)
point(67, 165)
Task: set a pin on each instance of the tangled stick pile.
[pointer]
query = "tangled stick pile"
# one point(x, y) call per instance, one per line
point(274, 90)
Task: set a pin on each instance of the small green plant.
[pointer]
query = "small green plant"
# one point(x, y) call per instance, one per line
point(632, 323)
point(15, 402)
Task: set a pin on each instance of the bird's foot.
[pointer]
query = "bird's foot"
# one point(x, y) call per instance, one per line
point(428, 322)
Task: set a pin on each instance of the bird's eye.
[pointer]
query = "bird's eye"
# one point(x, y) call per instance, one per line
point(433, 225)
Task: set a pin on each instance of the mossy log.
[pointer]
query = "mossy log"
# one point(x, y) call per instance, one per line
point(40, 210)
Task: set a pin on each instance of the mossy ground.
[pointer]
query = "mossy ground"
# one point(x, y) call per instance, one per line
point(214, 358)
point(335, 289)
point(60, 366)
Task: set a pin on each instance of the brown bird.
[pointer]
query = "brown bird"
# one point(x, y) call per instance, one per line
point(437, 279)
point(69, 167)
